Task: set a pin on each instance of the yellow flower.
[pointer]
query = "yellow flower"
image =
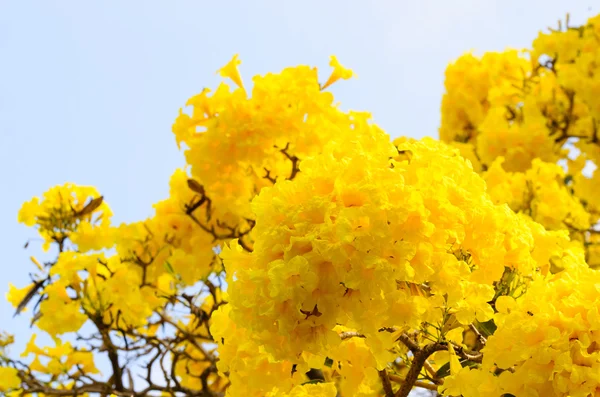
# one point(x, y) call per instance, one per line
point(16, 295)
point(339, 72)
point(29, 211)
point(32, 348)
point(83, 360)
point(60, 314)
point(231, 71)
point(9, 379)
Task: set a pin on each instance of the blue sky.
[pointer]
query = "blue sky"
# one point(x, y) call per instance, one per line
point(89, 90)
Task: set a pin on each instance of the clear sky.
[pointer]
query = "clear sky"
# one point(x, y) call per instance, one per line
point(89, 90)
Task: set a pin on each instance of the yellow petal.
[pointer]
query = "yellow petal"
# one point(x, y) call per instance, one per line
point(455, 366)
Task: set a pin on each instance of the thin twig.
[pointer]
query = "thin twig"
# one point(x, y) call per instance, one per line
point(387, 386)
point(421, 384)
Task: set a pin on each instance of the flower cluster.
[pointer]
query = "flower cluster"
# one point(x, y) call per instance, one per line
point(302, 252)
point(515, 115)
point(148, 289)
point(264, 133)
point(546, 343)
point(373, 238)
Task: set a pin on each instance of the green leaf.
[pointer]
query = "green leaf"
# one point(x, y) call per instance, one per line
point(328, 362)
point(488, 328)
point(169, 268)
point(443, 371)
point(467, 363)
point(314, 381)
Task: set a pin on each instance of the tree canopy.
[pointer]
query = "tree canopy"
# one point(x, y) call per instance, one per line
point(302, 252)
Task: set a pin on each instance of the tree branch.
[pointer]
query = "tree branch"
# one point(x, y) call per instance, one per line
point(420, 356)
point(387, 386)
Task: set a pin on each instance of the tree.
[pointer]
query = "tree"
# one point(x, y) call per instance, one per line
point(302, 253)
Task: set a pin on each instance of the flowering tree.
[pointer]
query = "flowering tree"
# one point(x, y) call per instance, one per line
point(303, 253)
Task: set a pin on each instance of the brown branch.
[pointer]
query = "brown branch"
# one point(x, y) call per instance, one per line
point(268, 176)
point(594, 138)
point(423, 385)
point(234, 232)
point(471, 356)
point(349, 334)
point(482, 338)
point(408, 342)
point(387, 386)
point(431, 371)
point(113, 357)
point(568, 119)
point(420, 356)
point(294, 159)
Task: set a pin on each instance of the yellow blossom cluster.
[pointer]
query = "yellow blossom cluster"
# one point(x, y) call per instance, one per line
point(62, 210)
point(125, 278)
point(255, 372)
point(244, 359)
point(264, 134)
point(373, 238)
point(301, 252)
point(83, 285)
point(539, 192)
point(547, 342)
point(517, 114)
point(60, 359)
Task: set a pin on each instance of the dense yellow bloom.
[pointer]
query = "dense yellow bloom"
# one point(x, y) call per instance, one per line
point(473, 86)
point(516, 116)
point(354, 265)
point(355, 368)
point(546, 342)
point(252, 371)
point(539, 192)
point(342, 243)
point(286, 118)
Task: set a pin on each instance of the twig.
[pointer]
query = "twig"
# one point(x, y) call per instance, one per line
point(420, 356)
point(421, 384)
point(351, 334)
point(482, 338)
point(387, 386)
